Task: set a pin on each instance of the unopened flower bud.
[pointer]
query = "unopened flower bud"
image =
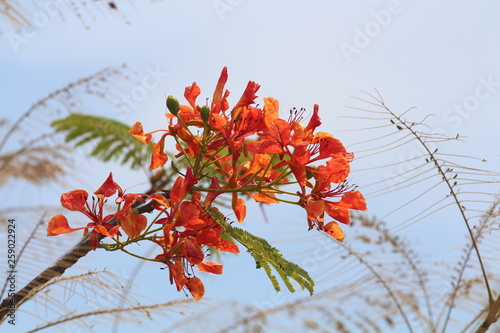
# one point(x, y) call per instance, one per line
point(172, 105)
point(205, 113)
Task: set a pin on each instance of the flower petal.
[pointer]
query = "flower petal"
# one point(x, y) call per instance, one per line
point(246, 99)
point(133, 224)
point(193, 251)
point(314, 122)
point(334, 230)
point(190, 93)
point(109, 187)
point(74, 200)
point(340, 210)
point(211, 196)
point(299, 171)
point(159, 157)
point(263, 197)
point(182, 186)
point(220, 86)
point(354, 200)
point(190, 216)
point(100, 229)
point(195, 287)
point(138, 132)
point(177, 275)
point(210, 267)
point(159, 198)
point(336, 170)
point(209, 236)
point(240, 210)
point(59, 225)
point(259, 162)
point(315, 209)
point(271, 111)
point(227, 246)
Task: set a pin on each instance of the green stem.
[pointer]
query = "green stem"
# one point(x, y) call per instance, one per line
point(137, 256)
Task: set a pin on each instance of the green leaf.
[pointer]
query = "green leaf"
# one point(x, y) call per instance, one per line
point(110, 138)
point(268, 257)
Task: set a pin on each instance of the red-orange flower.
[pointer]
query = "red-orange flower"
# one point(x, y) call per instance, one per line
point(316, 205)
point(77, 201)
point(183, 250)
point(244, 120)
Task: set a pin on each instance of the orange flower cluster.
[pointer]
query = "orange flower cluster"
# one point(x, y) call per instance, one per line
point(245, 151)
point(256, 166)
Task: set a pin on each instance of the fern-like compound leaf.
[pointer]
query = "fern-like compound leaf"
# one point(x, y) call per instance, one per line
point(110, 139)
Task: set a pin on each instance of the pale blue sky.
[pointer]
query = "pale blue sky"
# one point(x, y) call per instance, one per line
point(439, 57)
